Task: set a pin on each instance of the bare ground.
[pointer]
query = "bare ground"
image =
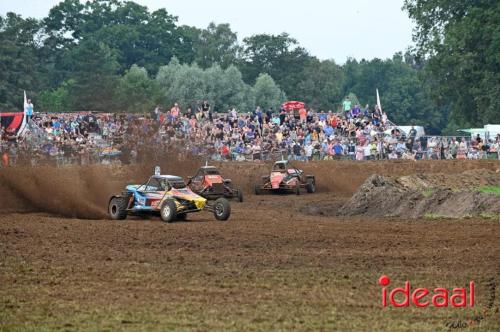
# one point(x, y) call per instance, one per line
point(270, 267)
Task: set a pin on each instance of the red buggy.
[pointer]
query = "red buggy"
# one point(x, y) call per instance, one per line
point(285, 178)
point(208, 183)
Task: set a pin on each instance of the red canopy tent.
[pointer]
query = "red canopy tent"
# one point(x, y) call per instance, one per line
point(293, 105)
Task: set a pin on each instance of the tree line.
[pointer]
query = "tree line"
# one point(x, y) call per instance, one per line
point(113, 55)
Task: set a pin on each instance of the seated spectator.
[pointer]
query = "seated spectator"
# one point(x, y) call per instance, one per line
point(338, 150)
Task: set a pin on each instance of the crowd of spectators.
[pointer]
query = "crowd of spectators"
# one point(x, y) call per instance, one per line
point(353, 133)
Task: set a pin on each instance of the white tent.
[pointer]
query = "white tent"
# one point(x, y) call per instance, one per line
point(489, 131)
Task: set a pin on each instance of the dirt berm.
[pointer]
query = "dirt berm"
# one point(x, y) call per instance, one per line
point(426, 195)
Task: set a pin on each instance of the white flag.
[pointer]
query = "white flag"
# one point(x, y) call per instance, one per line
point(25, 103)
point(378, 102)
point(22, 129)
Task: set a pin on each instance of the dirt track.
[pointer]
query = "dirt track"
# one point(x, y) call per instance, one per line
point(269, 267)
point(84, 192)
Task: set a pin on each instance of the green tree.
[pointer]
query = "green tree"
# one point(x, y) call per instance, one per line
point(322, 84)
point(217, 44)
point(277, 55)
point(95, 75)
point(460, 42)
point(167, 75)
point(236, 92)
point(267, 93)
point(57, 100)
point(183, 84)
point(189, 84)
point(226, 89)
point(138, 92)
point(18, 60)
point(214, 82)
point(148, 39)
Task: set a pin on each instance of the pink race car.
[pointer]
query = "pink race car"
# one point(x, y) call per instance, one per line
point(285, 178)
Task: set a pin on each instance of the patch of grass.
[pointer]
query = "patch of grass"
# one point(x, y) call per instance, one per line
point(489, 189)
point(484, 215)
point(435, 216)
point(427, 192)
point(491, 216)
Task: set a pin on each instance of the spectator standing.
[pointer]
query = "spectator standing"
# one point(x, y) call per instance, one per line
point(205, 107)
point(308, 149)
point(366, 111)
point(282, 115)
point(367, 151)
point(356, 111)
point(296, 151)
point(453, 148)
point(303, 115)
point(359, 152)
point(413, 133)
point(29, 110)
point(175, 111)
point(156, 113)
point(347, 105)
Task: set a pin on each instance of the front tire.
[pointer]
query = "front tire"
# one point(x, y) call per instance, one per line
point(168, 211)
point(240, 196)
point(310, 186)
point(222, 209)
point(117, 208)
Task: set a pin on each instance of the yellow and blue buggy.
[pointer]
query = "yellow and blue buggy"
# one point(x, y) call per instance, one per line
point(166, 195)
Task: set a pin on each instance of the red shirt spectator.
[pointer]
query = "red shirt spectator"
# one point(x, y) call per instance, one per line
point(5, 159)
point(175, 111)
point(303, 114)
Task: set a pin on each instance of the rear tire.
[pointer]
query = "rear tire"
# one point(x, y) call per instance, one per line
point(168, 211)
point(117, 208)
point(256, 190)
point(222, 209)
point(310, 186)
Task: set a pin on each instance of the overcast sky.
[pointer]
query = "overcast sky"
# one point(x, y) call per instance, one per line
point(334, 29)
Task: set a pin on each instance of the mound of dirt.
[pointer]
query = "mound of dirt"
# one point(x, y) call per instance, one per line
point(420, 195)
point(467, 179)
